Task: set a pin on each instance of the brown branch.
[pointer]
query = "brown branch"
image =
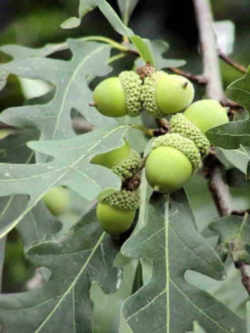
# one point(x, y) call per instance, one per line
point(245, 275)
point(214, 90)
point(231, 105)
point(208, 48)
point(199, 79)
point(233, 63)
point(220, 191)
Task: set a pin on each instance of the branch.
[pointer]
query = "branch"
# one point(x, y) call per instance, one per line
point(220, 191)
point(208, 48)
point(199, 79)
point(233, 63)
point(214, 90)
point(245, 275)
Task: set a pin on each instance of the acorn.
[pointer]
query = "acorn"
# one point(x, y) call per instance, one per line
point(123, 161)
point(57, 200)
point(164, 94)
point(116, 210)
point(184, 145)
point(207, 114)
point(119, 96)
point(171, 163)
point(183, 126)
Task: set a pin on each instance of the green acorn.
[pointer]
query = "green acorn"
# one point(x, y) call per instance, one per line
point(171, 163)
point(116, 210)
point(128, 167)
point(57, 200)
point(183, 126)
point(164, 94)
point(123, 161)
point(184, 145)
point(207, 114)
point(119, 96)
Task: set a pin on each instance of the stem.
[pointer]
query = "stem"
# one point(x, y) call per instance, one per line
point(200, 79)
point(221, 192)
point(208, 47)
point(233, 63)
point(147, 131)
point(113, 43)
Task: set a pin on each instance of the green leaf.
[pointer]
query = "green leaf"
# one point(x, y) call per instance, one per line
point(230, 291)
point(71, 79)
point(197, 328)
point(63, 303)
point(18, 52)
point(86, 6)
point(143, 46)
point(237, 158)
point(225, 33)
point(172, 243)
point(239, 90)
point(240, 198)
point(127, 7)
point(231, 135)
point(158, 49)
point(106, 313)
point(234, 234)
point(71, 23)
point(2, 256)
point(203, 206)
point(3, 78)
point(70, 166)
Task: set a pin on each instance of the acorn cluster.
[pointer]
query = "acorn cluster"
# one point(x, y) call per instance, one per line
point(159, 94)
point(174, 157)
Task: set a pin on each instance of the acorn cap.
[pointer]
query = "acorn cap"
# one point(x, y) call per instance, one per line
point(148, 94)
point(132, 84)
point(128, 167)
point(185, 145)
point(124, 200)
point(181, 125)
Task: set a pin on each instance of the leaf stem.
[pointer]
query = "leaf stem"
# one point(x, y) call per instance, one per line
point(107, 40)
point(145, 130)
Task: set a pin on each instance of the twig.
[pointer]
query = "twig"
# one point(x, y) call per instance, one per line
point(231, 105)
point(208, 47)
point(233, 63)
point(163, 123)
point(245, 275)
point(220, 191)
point(200, 79)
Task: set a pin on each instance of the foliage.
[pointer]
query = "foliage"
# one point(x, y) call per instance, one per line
point(169, 273)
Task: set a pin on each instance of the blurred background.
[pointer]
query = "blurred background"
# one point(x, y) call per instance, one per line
point(35, 23)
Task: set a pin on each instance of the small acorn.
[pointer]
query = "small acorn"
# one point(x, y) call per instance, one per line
point(119, 96)
point(206, 114)
point(183, 126)
point(164, 94)
point(116, 210)
point(171, 163)
point(123, 161)
point(57, 200)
